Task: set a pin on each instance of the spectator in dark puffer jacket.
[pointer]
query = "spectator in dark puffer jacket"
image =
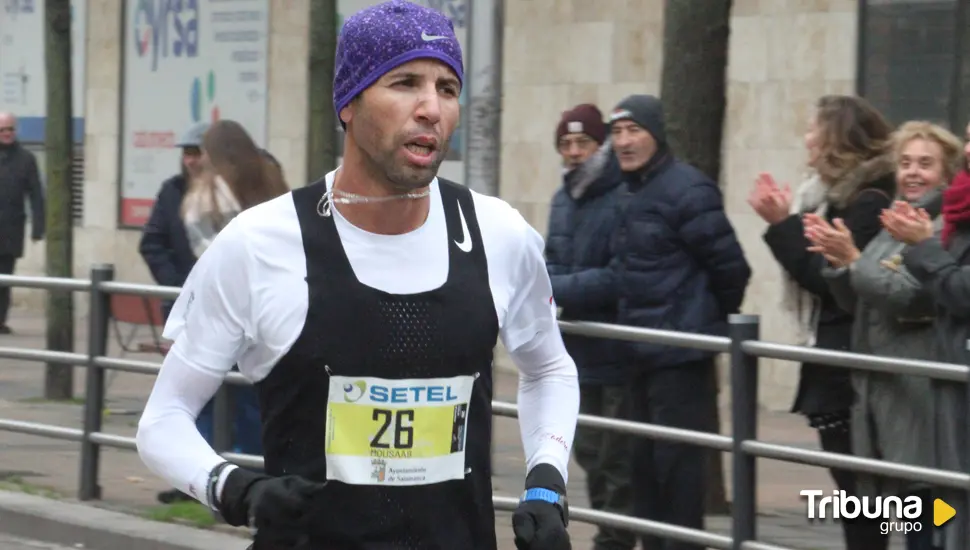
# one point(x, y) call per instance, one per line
point(680, 267)
point(581, 221)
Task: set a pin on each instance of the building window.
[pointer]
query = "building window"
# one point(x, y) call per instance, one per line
point(913, 59)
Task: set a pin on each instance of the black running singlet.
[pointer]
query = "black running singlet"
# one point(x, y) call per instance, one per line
point(388, 397)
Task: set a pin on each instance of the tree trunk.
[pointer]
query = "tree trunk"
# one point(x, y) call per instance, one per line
point(695, 55)
point(322, 130)
point(59, 146)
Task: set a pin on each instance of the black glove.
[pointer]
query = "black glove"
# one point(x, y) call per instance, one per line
point(541, 525)
point(279, 504)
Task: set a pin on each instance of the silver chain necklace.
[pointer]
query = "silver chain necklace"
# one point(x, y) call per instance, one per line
point(325, 205)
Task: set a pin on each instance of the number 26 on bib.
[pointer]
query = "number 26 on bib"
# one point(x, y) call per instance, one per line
point(397, 432)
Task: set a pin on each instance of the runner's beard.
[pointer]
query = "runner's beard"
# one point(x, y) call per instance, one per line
point(404, 176)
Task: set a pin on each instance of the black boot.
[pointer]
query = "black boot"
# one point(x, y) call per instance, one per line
point(172, 496)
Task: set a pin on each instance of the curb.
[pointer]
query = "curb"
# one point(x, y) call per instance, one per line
point(81, 526)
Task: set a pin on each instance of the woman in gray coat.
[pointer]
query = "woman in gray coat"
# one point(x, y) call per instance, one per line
point(893, 415)
point(942, 265)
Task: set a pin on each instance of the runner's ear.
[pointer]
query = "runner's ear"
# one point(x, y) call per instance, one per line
point(346, 114)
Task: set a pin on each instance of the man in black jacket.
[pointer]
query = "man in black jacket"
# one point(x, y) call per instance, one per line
point(581, 220)
point(679, 267)
point(19, 182)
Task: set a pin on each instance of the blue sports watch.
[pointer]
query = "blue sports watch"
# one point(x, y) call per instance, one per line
point(550, 496)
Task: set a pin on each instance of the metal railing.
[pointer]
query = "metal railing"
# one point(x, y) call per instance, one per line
point(742, 344)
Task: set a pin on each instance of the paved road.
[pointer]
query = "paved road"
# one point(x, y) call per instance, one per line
point(13, 543)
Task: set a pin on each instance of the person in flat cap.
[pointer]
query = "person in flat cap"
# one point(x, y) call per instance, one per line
point(581, 221)
point(680, 268)
point(365, 308)
point(164, 245)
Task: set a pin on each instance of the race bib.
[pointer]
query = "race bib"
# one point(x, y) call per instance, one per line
point(397, 432)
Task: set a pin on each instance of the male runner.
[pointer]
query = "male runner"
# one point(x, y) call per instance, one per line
point(365, 308)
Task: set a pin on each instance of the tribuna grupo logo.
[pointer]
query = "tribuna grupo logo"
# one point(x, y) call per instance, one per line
point(898, 514)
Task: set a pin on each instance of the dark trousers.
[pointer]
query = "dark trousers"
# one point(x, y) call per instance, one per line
point(7, 263)
point(923, 540)
point(670, 479)
point(861, 533)
point(605, 457)
point(865, 533)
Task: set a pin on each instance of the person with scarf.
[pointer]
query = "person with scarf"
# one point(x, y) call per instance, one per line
point(942, 266)
point(853, 179)
point(377, 281)
point(892, 418)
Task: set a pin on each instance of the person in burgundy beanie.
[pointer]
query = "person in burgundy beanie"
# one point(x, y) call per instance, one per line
point(580, 132)
point(581, 220)
point(942, 266)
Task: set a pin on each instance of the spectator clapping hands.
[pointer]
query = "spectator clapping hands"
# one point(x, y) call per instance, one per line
point(834, 241)
point(907, 224)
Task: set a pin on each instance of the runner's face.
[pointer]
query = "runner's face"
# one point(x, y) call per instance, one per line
point(403, 122)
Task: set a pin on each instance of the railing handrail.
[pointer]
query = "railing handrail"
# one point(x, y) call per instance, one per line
point(742, 343)
point(720, 344)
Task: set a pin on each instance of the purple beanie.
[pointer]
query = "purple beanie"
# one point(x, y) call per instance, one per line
point(375, 40)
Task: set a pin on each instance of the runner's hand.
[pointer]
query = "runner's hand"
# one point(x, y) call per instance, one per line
point(281, 504)
point(540, 525)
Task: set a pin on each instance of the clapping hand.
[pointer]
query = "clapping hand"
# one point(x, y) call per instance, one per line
point(833, 241)
point(770, 201)
point(907, 224)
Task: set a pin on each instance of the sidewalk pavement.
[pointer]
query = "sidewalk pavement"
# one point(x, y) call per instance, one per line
point(17, 543)
point(127, 485)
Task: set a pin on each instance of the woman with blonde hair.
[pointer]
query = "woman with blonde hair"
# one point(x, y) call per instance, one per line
point(849, 152)
point(236, 175)
point(893, 416)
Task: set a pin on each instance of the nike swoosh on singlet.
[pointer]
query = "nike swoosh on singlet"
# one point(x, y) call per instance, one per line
point(465, 245)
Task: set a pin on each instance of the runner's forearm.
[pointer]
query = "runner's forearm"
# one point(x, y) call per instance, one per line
point(168, 441)
point(548, 404)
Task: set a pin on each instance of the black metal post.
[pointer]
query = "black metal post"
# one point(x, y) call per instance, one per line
point(222, 418)
point(98, 317)
point(744, 421)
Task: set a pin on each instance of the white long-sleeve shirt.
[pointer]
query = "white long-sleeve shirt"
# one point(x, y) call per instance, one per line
point(246, 301)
